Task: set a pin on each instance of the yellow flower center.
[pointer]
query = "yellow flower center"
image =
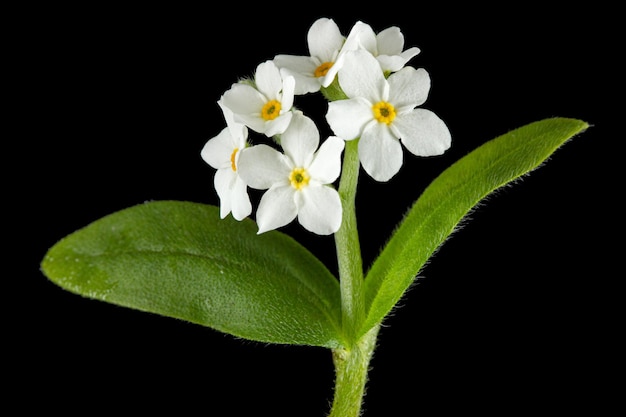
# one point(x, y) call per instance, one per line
point(384, 112)
point(271, 110)
point(232, 159)
point(299, 178)
point(323, 69)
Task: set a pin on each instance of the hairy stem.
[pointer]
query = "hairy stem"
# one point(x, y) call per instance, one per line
point(351, 362)
point(351, 372)
point(348, 246)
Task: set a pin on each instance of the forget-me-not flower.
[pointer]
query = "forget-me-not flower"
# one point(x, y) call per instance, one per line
point(222, 153)
point(298, 181)
point(382, 113)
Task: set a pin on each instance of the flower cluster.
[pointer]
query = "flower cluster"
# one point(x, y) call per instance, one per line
point(373, 98)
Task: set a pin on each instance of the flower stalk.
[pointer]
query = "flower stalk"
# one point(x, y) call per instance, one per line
point(351, 362)
point(348, 247)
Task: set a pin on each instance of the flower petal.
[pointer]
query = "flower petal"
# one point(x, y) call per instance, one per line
point(223, 181)
point(304, 65)
point(302, 69)
point(326, 165)
point(361, 76)
point(218, 150)
point(392, 63)
point(390, 41)
point(324, 39)
point(244, 99)
point(289, 86)
point(321, 210)
point(239, 199)
point(262, 166)
point(410, 53)
point(238, 131)
point(254, 122)
point(268, 80)
point(276, 208)
point(409, 87)
point(423, 133)
point(276, 126)
point(351, 43)
point(246, 103)
point(380, 152)
point(347, 118)
point(365, 37)
point(300, 140)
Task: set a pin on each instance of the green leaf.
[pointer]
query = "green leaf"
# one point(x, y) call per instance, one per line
point(445, 202)
point(179, 259)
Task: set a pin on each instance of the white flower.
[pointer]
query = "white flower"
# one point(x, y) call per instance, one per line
point(266, 106)
point(326, 46)
point(382, 113)
point(297, 181)
point(222, 153)
point(386, 46)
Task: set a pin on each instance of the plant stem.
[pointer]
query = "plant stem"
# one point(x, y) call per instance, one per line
point(351, 362)
point(348, 246)
point(351, 371)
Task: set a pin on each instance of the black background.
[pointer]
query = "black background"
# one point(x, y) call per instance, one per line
point(516, 312)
